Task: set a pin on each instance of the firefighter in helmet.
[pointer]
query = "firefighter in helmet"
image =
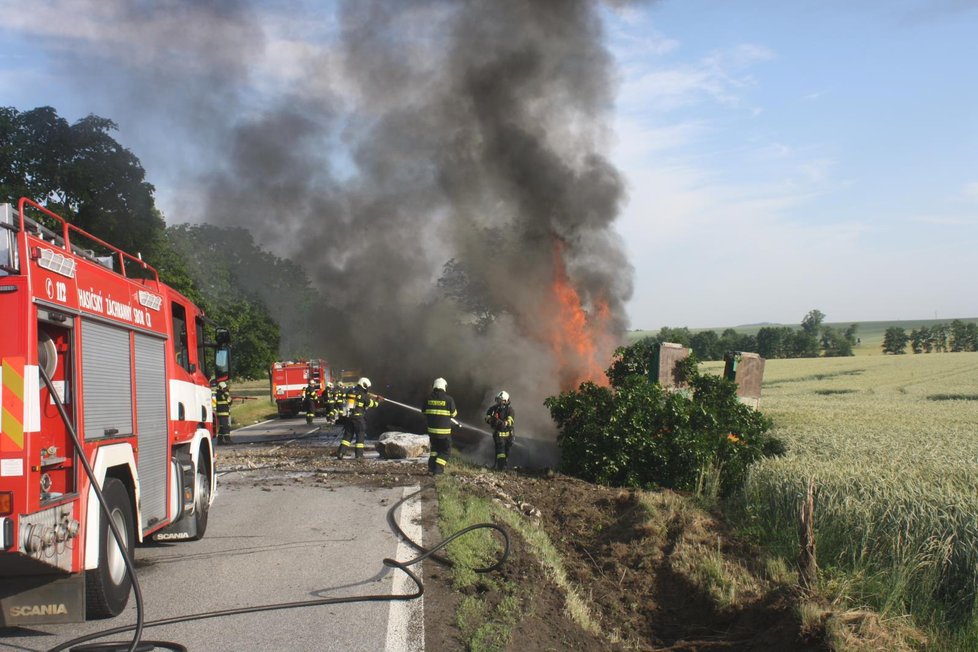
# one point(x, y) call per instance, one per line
point(332, 396)
point(223, 402)
point(310, 396)
point(501, 417)
point(359, 400)
point(439, 412)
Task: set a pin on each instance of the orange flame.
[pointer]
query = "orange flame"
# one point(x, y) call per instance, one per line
point(580, 341)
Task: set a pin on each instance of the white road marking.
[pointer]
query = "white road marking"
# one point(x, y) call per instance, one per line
point(405, 622)
point(254, 425)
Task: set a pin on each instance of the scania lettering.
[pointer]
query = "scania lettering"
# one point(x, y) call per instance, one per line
point(40, 610)
point(130, 359)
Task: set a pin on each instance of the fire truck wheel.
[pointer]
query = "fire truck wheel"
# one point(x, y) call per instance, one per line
point(107, 587)
point(202, 503)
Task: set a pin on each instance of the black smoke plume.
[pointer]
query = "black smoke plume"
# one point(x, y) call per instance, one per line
point(401, 137)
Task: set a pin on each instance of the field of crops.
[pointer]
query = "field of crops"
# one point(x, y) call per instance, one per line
point(892, 442)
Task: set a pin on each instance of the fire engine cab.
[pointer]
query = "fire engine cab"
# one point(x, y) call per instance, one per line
point(92, 327)
point(289, 378)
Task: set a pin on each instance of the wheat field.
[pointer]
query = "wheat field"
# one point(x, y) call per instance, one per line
point(892, 442)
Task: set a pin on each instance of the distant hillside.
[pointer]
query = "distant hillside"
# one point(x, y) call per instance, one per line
point(869, 333)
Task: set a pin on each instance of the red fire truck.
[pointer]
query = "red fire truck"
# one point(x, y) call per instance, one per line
point(128, 358)
point(289, 378)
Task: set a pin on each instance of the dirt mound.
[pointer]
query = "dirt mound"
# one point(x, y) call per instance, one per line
point(658, 572)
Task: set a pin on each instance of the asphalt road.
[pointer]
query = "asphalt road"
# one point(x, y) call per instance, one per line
point(274, 538)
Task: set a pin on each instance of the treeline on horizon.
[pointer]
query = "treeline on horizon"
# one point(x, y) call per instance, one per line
point(958, 336)
point(80, 172)
point(812, 339)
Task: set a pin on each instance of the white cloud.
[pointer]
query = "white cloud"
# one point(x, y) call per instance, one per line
point(971, 190)
point(718, 76)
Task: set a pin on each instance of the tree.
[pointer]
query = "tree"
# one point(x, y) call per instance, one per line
point(706, 345)
point(835, 343)
point(964, 336)
point(242, 288)
point(850, 333)
point(939, 336)
point(675, 335)
point(771, 341)
point(920, 340)
point(812, 321)
point(803, 345)
point(469, 292)
point(81, 173)
point(895, 340)
point(631, 360)
point(637, 434)
point(731, 340)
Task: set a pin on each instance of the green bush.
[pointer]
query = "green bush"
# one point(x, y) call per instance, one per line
point(637, 434)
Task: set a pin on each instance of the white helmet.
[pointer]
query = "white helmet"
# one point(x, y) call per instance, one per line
point(329, 384)
point(502, 397)
point(222, 385)
point(364, 382)
point(440, 383)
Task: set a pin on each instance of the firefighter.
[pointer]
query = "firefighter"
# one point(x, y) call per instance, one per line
point(214, 422)
point(331, 397)
point(359, 401)
point(439, 411)
point(310, 396)
point(223, 397)
point(501, 418)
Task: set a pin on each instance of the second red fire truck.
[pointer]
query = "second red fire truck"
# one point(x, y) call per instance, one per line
point(289, 378)
point(92, 327)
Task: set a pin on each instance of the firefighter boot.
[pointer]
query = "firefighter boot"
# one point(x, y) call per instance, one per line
point(342, 450)
point(501, 463)
point(358, 452)
point(309, 417)
point(225, 439)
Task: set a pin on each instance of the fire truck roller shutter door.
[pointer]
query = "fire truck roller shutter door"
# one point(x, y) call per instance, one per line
point(151, 422)
point(107, 386)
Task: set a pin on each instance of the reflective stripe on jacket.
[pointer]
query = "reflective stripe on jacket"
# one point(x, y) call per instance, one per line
point(223, 397)
point(439, 411)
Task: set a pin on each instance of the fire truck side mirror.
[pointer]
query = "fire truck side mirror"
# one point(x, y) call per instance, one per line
point(223, 337)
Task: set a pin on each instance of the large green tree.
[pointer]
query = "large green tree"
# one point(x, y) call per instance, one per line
point(79, 171)
point(82, 173)
point(811, 322)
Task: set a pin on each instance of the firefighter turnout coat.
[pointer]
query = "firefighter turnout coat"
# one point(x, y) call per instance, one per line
point(439, 411)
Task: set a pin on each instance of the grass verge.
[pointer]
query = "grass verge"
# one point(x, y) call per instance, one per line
point(491, 606)
point(246, 412)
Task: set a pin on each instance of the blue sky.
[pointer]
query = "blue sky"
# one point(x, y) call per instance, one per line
point(780, 156)
point(784, 156)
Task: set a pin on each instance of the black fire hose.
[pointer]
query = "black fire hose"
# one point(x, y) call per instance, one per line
point(135, 646)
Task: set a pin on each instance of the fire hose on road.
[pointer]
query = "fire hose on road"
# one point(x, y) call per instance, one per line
point(138, 644)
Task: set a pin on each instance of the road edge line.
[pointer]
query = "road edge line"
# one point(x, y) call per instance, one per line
point(405, 620)
point(254, 425)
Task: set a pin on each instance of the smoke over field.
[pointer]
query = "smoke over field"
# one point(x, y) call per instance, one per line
point(437, 166)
